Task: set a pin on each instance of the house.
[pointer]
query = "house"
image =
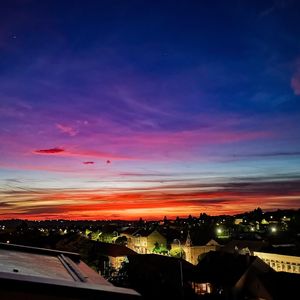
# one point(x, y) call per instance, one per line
point(129, 232)
point(275, 286)
point(280, 262)
point(244, 246)
point(160, 277)
point(227, 275)
point(116, 254)
point(193, 253)
point(38, 273)
point(144, 241)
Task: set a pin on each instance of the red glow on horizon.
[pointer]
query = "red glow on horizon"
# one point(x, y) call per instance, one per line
point(148, 205)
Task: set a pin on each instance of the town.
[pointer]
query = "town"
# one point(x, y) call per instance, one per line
point(255, 254)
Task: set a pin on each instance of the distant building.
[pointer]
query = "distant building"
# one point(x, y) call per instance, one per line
point(144, 241)
point(238, 221)
point(192, 253)
point(244, 246)
point(279, 262)
point(37, 274)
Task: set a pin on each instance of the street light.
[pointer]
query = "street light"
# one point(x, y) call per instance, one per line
point(219, 230)
point(180, 267)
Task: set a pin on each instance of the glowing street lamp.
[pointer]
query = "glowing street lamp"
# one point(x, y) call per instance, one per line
point(273, 229)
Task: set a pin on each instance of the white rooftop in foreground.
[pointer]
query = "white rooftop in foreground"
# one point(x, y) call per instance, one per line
point(33, 264)
point(46, 274)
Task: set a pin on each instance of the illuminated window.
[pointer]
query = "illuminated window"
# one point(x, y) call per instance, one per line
point(202, 288)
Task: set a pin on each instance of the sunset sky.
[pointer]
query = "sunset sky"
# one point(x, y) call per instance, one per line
point(133, 108)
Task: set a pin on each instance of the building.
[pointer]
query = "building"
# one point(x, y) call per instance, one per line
point(228, 276)
point(244, 246)
point(144, 241)
point(37, 273)
point(280, 262)
point(116, 254)
point(192, 253)
point(274, 286)
point(160, 276)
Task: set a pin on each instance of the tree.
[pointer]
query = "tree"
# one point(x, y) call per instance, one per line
point(121, 240)
point(96, 235)
point(160, 249)
point(156, 248)
point(177, 252)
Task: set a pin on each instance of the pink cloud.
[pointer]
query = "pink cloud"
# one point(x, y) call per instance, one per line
point(97, 154)
point(80, 153)
point(187, 139)
point(152, 144)
point(67, 129)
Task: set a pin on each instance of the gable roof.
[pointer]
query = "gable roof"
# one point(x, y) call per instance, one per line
point(145, 232)
point(129, 231)
point(163, 263)
point(281, 284)
point(223, 268)
point(237, 245)
point(114, 250)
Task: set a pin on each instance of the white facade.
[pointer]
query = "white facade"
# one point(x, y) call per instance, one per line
point(280, 263)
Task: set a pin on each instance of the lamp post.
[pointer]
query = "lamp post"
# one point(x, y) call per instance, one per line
point(180, 267)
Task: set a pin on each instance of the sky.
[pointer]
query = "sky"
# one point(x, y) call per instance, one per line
point(121, 109)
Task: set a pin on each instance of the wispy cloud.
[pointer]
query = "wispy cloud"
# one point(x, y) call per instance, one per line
point(269, 154)
point(67, 129)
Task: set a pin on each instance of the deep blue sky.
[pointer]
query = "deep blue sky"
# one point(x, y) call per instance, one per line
point(180, 93)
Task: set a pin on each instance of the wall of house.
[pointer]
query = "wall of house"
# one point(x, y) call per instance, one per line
point(192, 253)
point(155, 237)
point(116, 262)
point(145, 244)
point(280, 263)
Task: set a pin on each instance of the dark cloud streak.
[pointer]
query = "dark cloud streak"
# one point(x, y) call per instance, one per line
point(49, 151)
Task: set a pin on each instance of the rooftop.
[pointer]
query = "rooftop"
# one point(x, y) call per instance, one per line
point(44, 273)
